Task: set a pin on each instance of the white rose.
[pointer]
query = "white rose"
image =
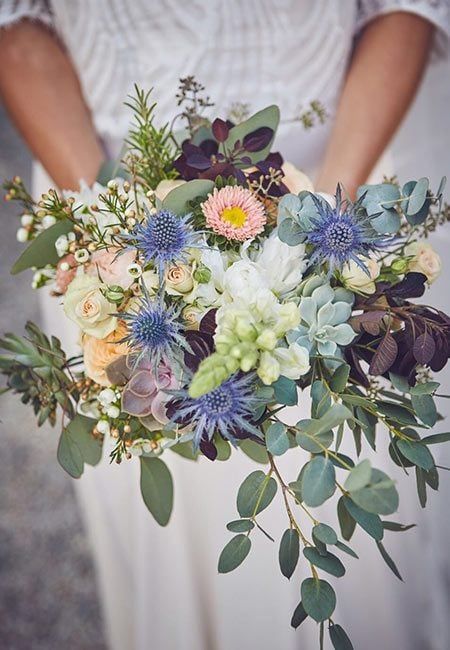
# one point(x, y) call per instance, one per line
point(425, 260)
point(243, 279)
point(179, 279)
point(295, 180)
point(356, 278)
point(85, 304)
point(166, 186)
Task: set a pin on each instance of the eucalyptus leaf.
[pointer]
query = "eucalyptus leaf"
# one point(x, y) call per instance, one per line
point(346, 549)
point(234, 553)
point(425, 409)
point(421, 486)
point(69, 455)
point(359, 476)
point(339, 638)
point(318, 481)
point(240, 526)
point(325, 534)
point(389, 561)
point(290, 232)
point(285, 391)
point(318, 598)
point(298, 616)
point(157, 488)
point(418, 196)
point(255, 451)
point(379, 496)
point(329, 562)
point(370, 522)
point(267, 117)
point(289, 552)
point(347, 523)
point(417, 453)
point(177, 199)
point(436, 438)
point(255, 493)
point(41, 251)
point(277, 439)
point(340, 377)
point(426, 388)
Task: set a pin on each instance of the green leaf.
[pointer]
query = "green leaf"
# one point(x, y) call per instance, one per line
point(285, 391)
point(298, 616)
point(389, 561)
point(417, 197)
point(289, 552)
point(110, 169)
point(329, 562)
point(318, 481)
point(427, 388)
point(321, 399)
point(359, 477)
point(339, 638)
point(379, 201)
point(234, 553)
point(290, 232)
point(379, 497)
point(269, 117)
point(318, 598)
point(417, 453)
point(346, 522)
point(80, 431)
point(397, 413)
point(400, 383)
point(436, 438)
point(396, 527)
point(421, 486)
point(42, 250)
point(69, 455)
point(325, 534)
point(223, 448)
point(177, 199)
point(425, 408)
point(157, 488)
point(255, 493)
point(368, 521)
point(346, 549)
point(277, 439)
point(334, 416)
point(240, 526)
point(340, 378)
point(314, 443)
point(255, 451)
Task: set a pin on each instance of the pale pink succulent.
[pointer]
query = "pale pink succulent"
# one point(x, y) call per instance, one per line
point(235, 213)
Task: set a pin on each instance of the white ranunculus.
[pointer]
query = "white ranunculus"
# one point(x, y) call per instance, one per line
point(243, 279)
point(356, 278)
point(295, 180)
point(284, 265)
point(424, 260)
point(293, 361)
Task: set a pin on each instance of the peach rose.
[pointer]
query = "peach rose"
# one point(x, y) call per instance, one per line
point(99, 353)
point(425, 260)
point(179, 279)
point(112, 266)
point(64, 276)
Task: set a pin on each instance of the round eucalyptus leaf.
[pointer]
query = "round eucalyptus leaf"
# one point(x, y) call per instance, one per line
point(240, 526)
point(277, 439)
point(417, 453)
point(255, 493)
point(368, 521)
point(157, 488)
point(318, 598)
point(318, 481)
point(325, 534)
point(234, 553)
point(380, 496)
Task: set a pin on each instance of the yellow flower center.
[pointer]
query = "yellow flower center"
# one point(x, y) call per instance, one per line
point(235, 215)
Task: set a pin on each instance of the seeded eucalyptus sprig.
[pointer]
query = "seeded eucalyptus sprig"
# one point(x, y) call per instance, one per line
point(37, 368)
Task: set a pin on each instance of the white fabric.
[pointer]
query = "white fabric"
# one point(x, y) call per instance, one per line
point(159, 587)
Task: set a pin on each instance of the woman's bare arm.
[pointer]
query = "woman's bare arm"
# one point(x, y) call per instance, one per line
point(41, 91)
point(385, 72)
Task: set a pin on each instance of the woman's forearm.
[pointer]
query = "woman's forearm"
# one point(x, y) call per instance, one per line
point(41, 91)
point(384, 74)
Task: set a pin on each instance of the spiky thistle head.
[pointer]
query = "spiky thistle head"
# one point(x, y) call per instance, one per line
point(342, 234)
point(163, 238)
point(227, 410)
point(154, 330)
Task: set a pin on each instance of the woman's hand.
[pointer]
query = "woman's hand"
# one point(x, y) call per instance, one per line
point(42, 93)
point(384, 74)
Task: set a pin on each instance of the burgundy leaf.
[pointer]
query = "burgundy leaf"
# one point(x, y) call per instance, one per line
point(385, 356)
point(356, 371)
point(208, 322)
point(199, 161)
point(441, 355)
point(369, 321)
point(208, 449)
point(209, 147)
point(201, 344)
point(412, 286)
point(220, 130)
point(258, 139)
point(424, 348)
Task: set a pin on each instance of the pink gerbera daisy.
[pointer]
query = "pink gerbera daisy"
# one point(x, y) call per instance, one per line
point(234, 213)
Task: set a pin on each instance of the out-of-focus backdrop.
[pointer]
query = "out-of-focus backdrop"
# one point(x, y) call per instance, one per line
point(44, 556)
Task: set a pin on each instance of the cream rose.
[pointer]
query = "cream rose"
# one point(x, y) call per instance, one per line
point(85, 304)
point(356, 278)
point(164, 187)
point(179, 279)
point(192, 316)
point(424, 260)
point(295, 180)
point(99, 353)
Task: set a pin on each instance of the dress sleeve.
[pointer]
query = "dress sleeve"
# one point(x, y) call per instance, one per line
point(11, 11)
point(436, 12)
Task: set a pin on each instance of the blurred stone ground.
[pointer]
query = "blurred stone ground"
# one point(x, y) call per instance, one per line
point(48, 596)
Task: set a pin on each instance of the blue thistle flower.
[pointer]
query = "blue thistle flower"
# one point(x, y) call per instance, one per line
point(342, 234)
point(154, 331)
point(163, 238)
point(228, 410)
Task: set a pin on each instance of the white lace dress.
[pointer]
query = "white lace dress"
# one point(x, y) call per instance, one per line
point(160, 589)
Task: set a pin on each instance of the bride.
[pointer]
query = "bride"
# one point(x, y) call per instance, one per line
point(66, 68)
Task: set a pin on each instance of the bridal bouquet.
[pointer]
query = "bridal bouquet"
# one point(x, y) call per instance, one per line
point(211, 286)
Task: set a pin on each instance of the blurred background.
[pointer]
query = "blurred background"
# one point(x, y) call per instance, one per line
point(44, 556)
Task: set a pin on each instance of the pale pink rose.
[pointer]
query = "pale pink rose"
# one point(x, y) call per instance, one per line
point(111, 265)
point(425, 260)
point(295, 180)
point(65, 276)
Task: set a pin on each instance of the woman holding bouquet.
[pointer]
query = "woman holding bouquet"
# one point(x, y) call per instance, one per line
point(66, 68)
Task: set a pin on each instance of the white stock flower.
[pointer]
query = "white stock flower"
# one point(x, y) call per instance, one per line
point(293, 361)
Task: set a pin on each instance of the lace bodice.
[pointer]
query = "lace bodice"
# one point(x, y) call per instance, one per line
point(258, 51)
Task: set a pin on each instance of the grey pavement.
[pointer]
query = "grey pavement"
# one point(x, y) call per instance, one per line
point(48, 597)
